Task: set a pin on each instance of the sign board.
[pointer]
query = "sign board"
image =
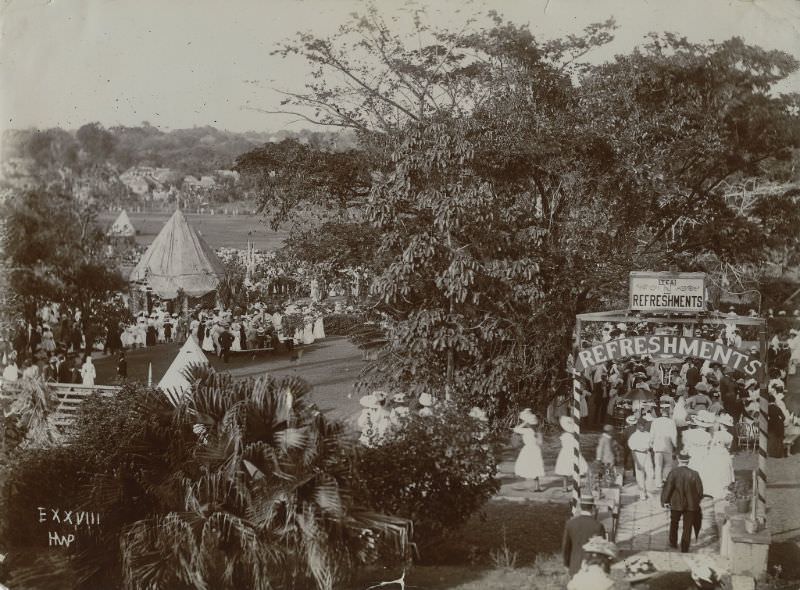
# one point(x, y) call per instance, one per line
point(670, 346)
point(668, 291)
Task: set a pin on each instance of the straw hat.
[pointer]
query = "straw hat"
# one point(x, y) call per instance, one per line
point(701, 421)
point(725, 420)
point(567, 424)
point(601, 546)
point(369, 401)
point(631, 420)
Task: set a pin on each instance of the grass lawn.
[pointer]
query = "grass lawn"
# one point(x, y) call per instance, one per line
point(218, 230)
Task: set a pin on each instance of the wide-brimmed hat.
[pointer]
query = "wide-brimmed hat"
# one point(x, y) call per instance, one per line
point(704, 387)
point(632, 419)
point(369, 401)
point(528, 417)
point(567, 423)
point(725, 419)
point(701, 421)
point(380, 394)
point(601, 546)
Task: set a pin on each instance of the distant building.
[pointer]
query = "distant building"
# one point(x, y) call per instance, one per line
point(145, 180)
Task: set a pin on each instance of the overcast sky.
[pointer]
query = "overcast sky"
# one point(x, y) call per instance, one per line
point(181, 63)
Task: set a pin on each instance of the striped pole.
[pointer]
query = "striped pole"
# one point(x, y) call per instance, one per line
point(576, 417)
point(760, 490)
point(576, 463)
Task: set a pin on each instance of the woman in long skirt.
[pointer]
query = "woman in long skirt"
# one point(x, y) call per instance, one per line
point(319, 329)
point(720, 463)
point(566, 455)
point(530, 464)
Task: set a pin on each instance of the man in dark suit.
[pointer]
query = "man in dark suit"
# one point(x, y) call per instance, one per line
point(578, 531)
point(64, 369)
point(693, 376)
point(681, 494)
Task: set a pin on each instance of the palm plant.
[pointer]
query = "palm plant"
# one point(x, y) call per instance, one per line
point(265, 503)
point(33, 405)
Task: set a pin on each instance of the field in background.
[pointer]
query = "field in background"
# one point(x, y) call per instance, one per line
point(228, 231)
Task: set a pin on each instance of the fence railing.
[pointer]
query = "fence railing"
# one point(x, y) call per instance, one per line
point(70, 396)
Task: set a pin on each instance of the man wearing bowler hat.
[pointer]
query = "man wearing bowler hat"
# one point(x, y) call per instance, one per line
point(681, 495)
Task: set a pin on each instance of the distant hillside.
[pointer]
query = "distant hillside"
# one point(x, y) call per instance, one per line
point(196, 151)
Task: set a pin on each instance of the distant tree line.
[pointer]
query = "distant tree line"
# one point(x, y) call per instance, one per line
point(199, 150)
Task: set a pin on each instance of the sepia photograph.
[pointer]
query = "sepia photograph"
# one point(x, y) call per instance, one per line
point(400, 294)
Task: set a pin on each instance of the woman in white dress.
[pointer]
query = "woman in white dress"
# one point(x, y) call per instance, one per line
point(88, 372)
point(208, 340)
point(696, 442)
point(719, 467)
point(126, 337)
point(141, 331)
point(567, 453)
point(319, 329)
point(529, 464)
point(308, 330)
point(48, 342)
point(235, 328)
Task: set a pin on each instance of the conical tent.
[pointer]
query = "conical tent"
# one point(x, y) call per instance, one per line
point(179, 259)
point(122, 227)
point(173, 383)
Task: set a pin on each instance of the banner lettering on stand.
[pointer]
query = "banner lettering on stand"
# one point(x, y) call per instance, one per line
point(668, 346)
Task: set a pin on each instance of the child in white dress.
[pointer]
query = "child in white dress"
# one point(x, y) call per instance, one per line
point(529, 464)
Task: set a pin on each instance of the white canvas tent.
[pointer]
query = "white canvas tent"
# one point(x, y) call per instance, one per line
point(178, 259)
point(122, 227)
point(173, 383)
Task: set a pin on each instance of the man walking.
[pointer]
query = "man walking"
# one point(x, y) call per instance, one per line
point(578, 531)
point(664, 436)
point(640, 443)
point(225, 341)
point(681, 495)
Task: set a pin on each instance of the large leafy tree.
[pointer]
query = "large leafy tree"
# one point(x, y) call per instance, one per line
point(55, 253)
point(514, 186)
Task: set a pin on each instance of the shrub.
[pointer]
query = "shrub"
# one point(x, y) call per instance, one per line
point(436, 471)
point(340, 324)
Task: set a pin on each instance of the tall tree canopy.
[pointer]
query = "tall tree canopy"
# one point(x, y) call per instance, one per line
point(55, 253)
point(514, 186)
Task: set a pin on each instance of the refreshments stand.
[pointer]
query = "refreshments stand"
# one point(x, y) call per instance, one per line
point(669, 308)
